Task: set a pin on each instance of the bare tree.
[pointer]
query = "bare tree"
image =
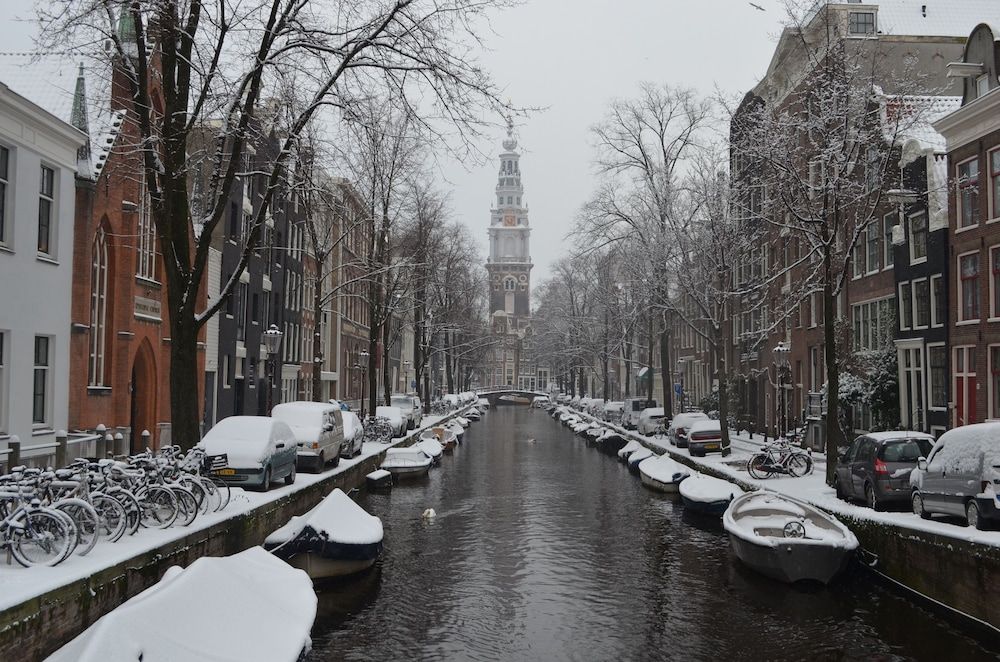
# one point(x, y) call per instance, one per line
point(191, 63)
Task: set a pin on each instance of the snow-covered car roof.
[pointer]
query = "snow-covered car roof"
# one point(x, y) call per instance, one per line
point(688, 417)
point(962, 448)
point(389, 412)
point(649, 412)
point(302, 413)
point(897, 434)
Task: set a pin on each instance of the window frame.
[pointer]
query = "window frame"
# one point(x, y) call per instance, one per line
point(43, 421)
point(145, 250)
point(960, 290)
point(5, 168)
point(930, 376)
point(888, 223)
point(4, 391)
point(99, 281)
point(853, 19)
point(966, 351)
point(905, 299)
point(873, 238)
point(910, 237)
point(960, 226)
point(993, 372)
point(993, 203)
point(48, 197)
point(994, 284)
point(914, 321)
point(935, 304)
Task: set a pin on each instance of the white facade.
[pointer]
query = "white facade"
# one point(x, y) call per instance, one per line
point(36, 269)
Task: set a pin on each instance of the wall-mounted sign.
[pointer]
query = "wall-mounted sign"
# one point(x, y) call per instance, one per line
point(148, 309)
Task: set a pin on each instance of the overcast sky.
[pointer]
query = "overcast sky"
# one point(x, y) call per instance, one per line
point(572, 57)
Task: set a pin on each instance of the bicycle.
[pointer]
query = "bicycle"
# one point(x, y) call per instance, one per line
point(34, 535)
point(378, 430)
point(779, 457)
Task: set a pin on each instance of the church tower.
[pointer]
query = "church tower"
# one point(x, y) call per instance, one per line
point(509, 267)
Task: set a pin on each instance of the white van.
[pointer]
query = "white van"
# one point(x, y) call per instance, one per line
point(631, 410)
point(319, 431)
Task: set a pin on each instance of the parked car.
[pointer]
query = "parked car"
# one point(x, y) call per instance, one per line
point(409, 406)
point(613, 411)
point(319, 431)
point(704, 436)
point(649, 420)
point(259, 450)
point(396, 419)
point(631, 409)
point(679, 426)
point(876, 467)
point(961, 476)
point(354, 435)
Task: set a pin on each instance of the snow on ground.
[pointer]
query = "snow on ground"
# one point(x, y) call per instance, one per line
point(18, 584)
point(813, 489)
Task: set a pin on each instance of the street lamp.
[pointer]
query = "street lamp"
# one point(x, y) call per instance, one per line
point(781, 352)
point(679, 384)
point(406, 376)
point(363, 358)
point(272, 342)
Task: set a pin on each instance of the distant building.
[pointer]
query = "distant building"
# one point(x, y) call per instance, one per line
point(511, 361)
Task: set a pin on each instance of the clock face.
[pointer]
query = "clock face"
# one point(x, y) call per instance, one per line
point(509, 220)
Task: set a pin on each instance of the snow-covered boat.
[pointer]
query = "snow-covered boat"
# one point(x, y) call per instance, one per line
point(443, 434)
point(473, 414)
point(483, 403)
point(457, 429)
point(611, 442)
point(593, 434)
point(461, 420)
point(248, 606)
point(379, 479)
point(662, 473)
point(406, 462)
point(431, 447)
point(636, 457)
point(335, 538)
point(625, 451)
point(708, 495)
point(787, 539)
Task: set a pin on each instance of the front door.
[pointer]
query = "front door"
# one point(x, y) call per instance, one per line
point(911, 369)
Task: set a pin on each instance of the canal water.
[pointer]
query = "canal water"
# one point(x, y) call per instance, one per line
point(545, 549)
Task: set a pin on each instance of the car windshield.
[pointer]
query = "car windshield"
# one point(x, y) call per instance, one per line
point(905, 450)
point(402, 402)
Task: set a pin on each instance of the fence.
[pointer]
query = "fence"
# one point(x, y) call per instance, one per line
point(66, 448)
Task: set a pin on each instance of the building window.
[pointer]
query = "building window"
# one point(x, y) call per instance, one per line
point(968, 193)
point(887, 222)
point(965, 385)
point(994, 185)
point(3, 383)
point(227, 381)
point(234, 220)
point(938, 301)
point(921, 304)
point(872, 324)
point(874, 249)
point(994, 381)
point(4, 181)
point(872, 167)
point(509, 285)
point(241, 311)
point(146, 253)
point(982, 85)
point(40, 386)
point(861, 23)
point(994, 282)
point(859, 261)
point(46, 197)
point(98, 308)
point(937, 358)
point(905, 306)
point(918, 237)
point(968, 274)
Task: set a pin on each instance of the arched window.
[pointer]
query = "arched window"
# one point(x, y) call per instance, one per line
point(98, 308)
point(146, 241)
point(509, 284)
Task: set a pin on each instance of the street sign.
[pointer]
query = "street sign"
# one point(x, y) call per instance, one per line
point(413, 383)
point(678, 389)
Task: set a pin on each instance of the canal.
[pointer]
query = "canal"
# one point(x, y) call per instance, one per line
point(545, 549)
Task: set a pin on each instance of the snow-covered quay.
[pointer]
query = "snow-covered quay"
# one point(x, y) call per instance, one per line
point(43, 607)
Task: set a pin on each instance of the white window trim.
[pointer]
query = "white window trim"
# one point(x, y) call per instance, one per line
point(899, 312)
point(7, 238)
point(958, 291)
point(878, 236)
point(887, 246)
point(989, 193)
point(955, 375)
point(994, 314)
point(959, 228)
point(51, 253)
point(935, 322)
point(989, 380)
point(4, 381)
point(913, 304)
point(929, 378)
point(909, 237)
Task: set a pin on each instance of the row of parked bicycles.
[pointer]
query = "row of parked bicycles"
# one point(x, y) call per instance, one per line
point(50, 514)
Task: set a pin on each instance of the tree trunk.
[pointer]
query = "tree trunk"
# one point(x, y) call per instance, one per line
point(719, 351)
point(649, 355)
point(184, 406)
point(628, 365)
point(449, 369)
point(834, 434)
point(668, 394)
point(317, 348)
point(386, 363)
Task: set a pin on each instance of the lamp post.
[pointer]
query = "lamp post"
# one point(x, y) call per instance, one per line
point(781, 351)
point(679, 381)
point(272, 342)
point(363, 364)
point(406, 376)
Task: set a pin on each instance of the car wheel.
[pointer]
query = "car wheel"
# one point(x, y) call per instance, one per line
point(871, 498)
point(336, 460)
point(290, 478)
point(321, 462)
point(917, 502)
point(266, 485)
point(972, 515)
point(838, 489)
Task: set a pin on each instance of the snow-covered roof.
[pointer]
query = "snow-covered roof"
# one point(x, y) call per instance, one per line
point(50, 81)
point(911, 118)
point(935, 18)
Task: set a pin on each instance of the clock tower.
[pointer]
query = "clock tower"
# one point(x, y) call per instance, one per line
point(509, 267)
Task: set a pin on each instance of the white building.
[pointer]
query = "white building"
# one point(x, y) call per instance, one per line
point(38, 163)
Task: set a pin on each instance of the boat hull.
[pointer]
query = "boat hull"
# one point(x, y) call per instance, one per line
point(710, 508)
point(323, 559)
point(792, 563)
point(408, 472)
point(319, 568)
point(658, 485)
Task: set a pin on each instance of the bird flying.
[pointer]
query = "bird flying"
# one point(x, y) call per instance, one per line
point(757, 6)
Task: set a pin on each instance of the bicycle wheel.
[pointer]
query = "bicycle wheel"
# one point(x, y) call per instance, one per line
point(187, 505)
point(757, 467)
point(158, 507)
point(212, 497)
point(224, 493)
point(114, 519)
point(70, 526)
point(194, 486)
point(133, 509)
point(799, 464)
point(41, 538)
point(86, 519)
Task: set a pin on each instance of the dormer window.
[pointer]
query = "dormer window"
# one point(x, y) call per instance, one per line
point(861, 23)
point(982, 85)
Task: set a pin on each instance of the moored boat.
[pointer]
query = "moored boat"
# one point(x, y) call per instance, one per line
point(444, 435)
point(461, 420)
point(380, 479)
point(636, 457)
point(625, 451)
point(708, 495)
point(337, 537)
point(662, 473)
point(457, 429)
point(431, 447)
point(406, 462)
point(787, 539)
point(611, 442)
